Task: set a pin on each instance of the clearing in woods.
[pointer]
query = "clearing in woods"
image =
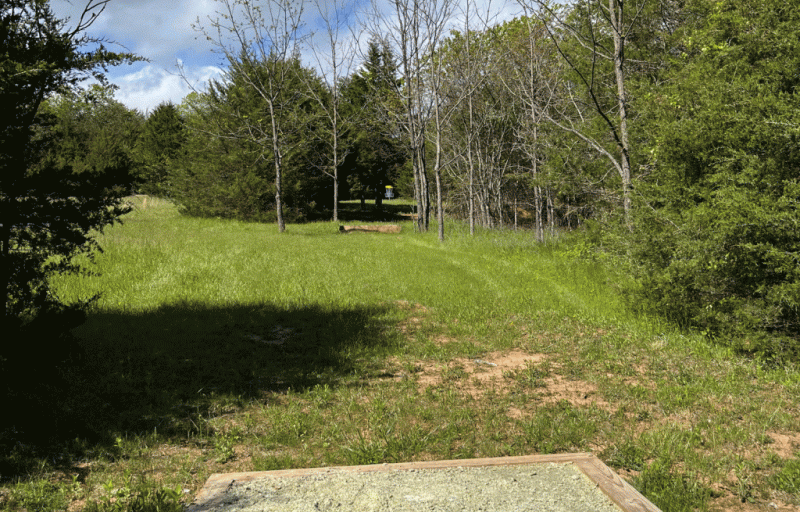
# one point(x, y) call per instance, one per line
point(221, 346)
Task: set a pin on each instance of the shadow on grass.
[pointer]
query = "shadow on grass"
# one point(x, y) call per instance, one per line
point(168, 371)
point(352, 211)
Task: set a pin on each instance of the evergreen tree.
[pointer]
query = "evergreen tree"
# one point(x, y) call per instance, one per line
point(377, 156)
point(47, 214)
point(93, 135)
point(160, 147)
point(228, 166)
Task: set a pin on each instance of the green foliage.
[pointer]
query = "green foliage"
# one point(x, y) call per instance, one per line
point(788, 478)
point(92, 135)
point(227, 167)
point(224, 444)
point(560, 428)
point(375, 157)
point(717, 229)
point(42, 495)
point(47, 211)
point(137, 496)
point(626, 455)
point(160, 148)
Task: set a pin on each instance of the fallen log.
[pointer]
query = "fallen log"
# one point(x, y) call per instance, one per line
point(390, 228)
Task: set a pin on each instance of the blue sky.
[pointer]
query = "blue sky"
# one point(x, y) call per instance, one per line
point(159, 31)
point(162, 32)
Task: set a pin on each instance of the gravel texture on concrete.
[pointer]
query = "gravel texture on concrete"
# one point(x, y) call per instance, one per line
point(541, 488)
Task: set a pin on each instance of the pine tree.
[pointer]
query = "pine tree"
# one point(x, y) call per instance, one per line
point(160, 147)
point(47, 215)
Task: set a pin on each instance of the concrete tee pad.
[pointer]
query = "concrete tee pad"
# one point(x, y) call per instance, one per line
point(566, 482)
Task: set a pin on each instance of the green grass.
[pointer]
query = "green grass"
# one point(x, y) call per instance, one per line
point(221, 346)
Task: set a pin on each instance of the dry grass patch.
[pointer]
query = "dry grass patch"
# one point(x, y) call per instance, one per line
point(515, 371)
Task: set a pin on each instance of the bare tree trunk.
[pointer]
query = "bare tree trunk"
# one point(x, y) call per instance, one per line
point(538, 207)
point(515, 211)
point(335, 169)
point(437, 167)
point(499, 198)
point(471, 164)
point(425, 197)
point(278, 160)
point(616, 14)
point(439, 206)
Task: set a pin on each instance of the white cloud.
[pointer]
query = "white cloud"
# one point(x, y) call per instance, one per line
point(149, 86)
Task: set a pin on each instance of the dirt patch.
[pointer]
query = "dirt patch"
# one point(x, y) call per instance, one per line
point(505, 372)
point(476, 376)
point(784, 445)
point(413, 306)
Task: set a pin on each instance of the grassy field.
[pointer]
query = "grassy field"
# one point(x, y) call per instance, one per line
point(221, 346)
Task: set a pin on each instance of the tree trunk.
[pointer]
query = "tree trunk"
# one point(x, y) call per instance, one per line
point(538, 207)
point(515, 212)
point(335, 165)
point(277, 157)
point(470, 159)
point(471, 191)
point(616, 13)
point(438, 172)
point(424, 188)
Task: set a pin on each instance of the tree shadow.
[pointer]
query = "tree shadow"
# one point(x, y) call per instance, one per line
point(352, 211)
point(168, 371)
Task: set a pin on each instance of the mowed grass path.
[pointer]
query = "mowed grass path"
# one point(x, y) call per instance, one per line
point(160, 258)
point(222, 346)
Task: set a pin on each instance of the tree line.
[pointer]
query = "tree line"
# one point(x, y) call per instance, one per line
point(667, 129)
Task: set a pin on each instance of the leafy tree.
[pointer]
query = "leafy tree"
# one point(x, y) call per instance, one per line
point(160, 147)
point(592, 38)
point(718, 242)
point(217, 177)
point(47, 212)
point(260, 41)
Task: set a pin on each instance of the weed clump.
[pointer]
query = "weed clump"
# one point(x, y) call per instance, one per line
point(671, 490)
point(788, 478)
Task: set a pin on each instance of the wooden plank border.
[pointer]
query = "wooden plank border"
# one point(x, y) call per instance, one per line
point(618, 490)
